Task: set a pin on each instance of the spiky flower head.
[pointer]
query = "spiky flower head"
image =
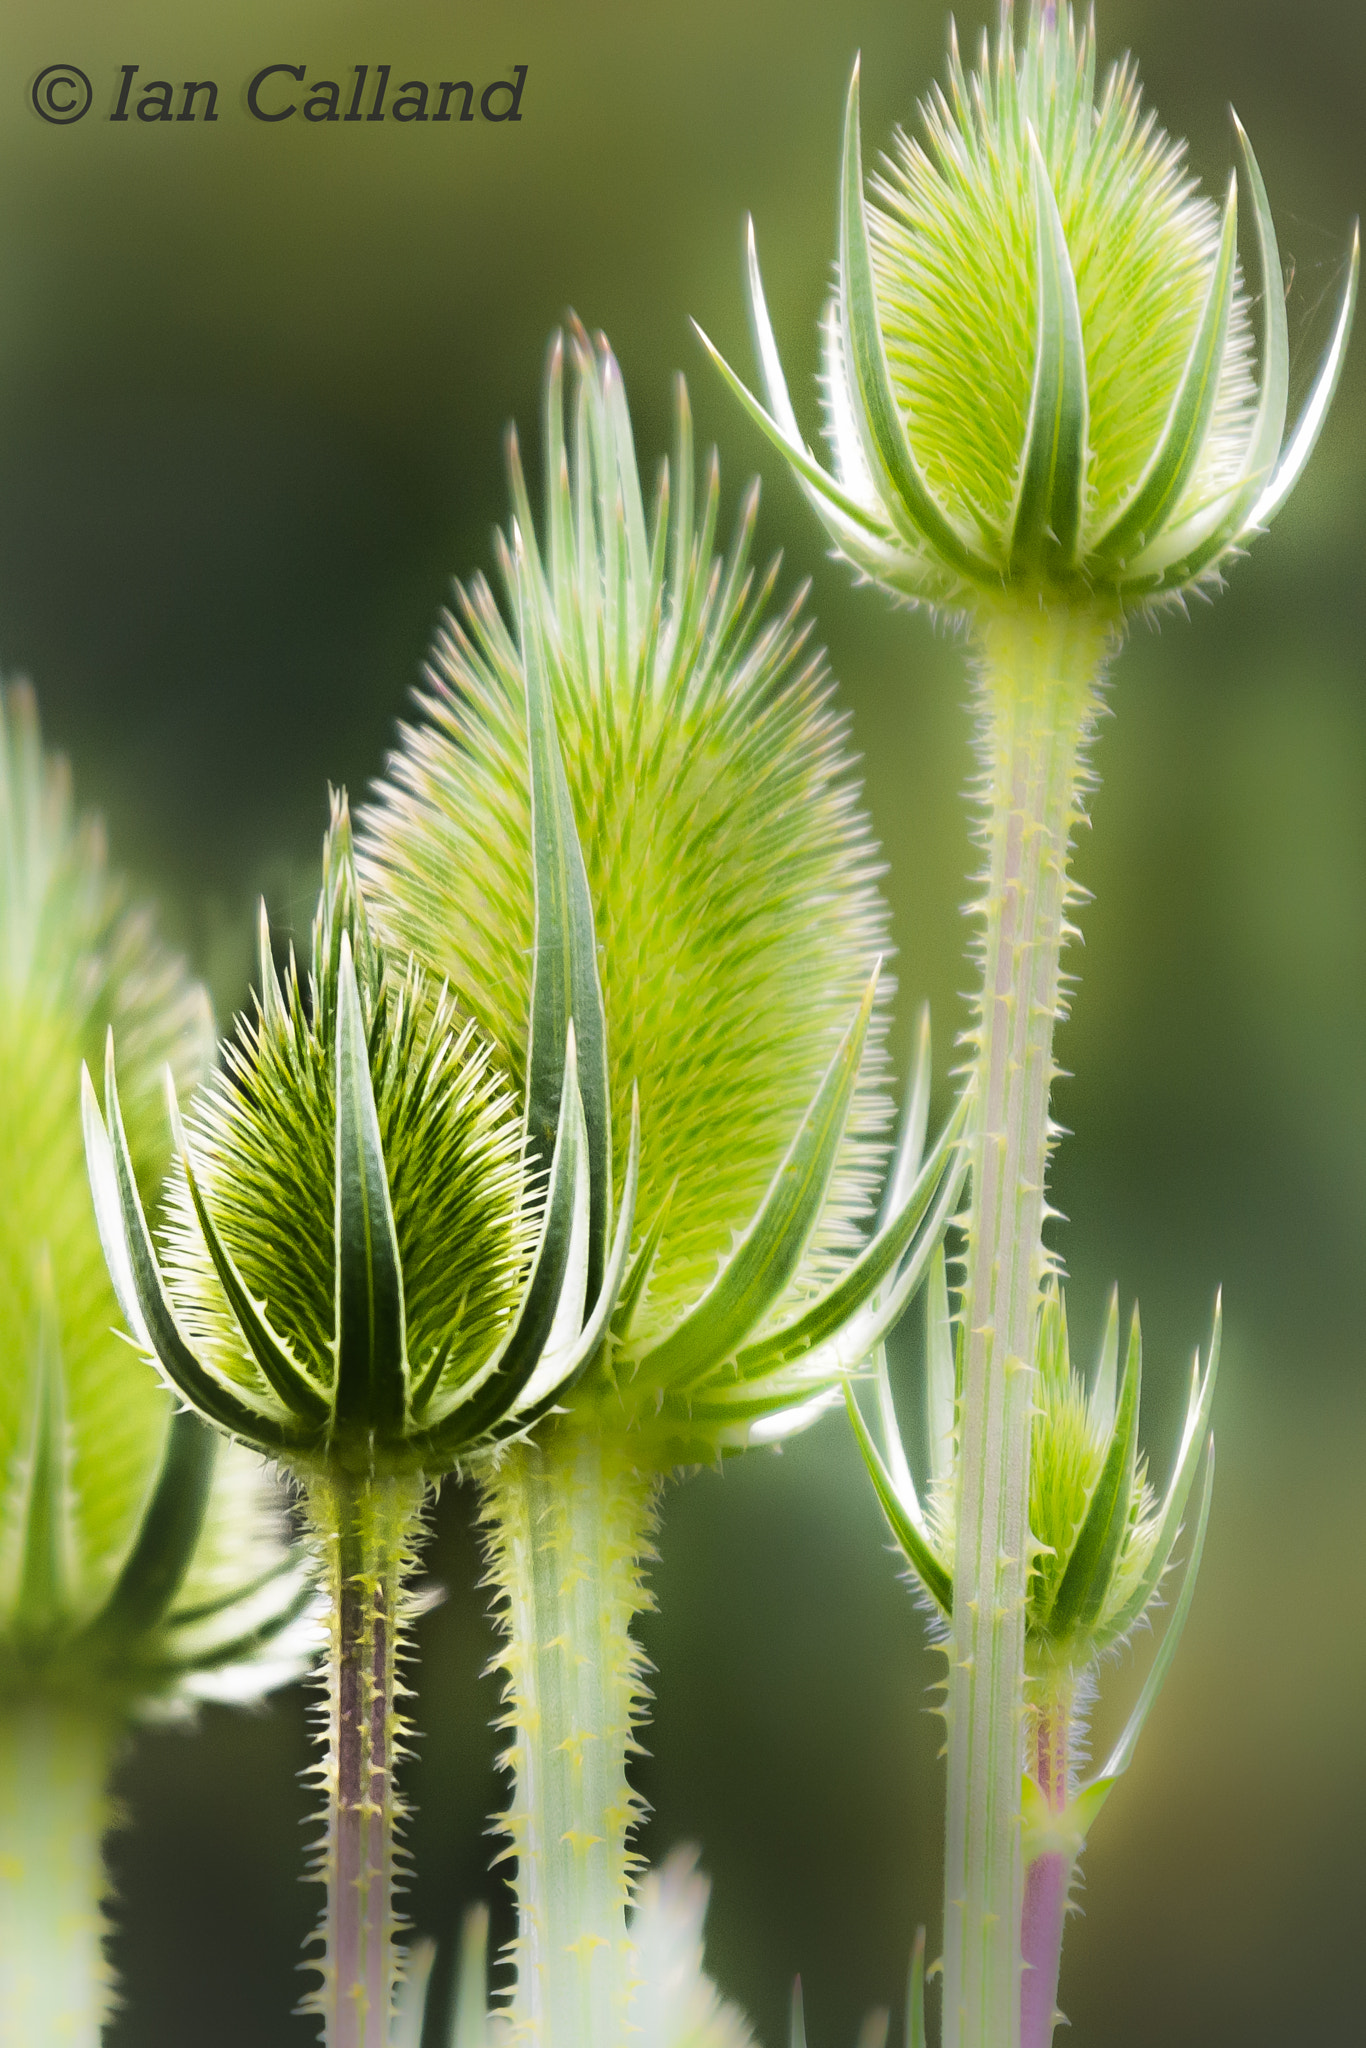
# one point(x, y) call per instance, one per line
point(1038, 363)
point(645, 737)
point(137, 1571)
point(358, 1275)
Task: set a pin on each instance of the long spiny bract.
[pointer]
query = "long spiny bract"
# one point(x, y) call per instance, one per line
point(731, 871)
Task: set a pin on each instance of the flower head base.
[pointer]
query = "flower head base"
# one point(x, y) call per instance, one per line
point(728, 930)
point(1037, 366)
point(354, 1276)
point(138, 1571)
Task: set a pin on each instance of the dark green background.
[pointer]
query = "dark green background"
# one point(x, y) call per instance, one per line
point(252, 389)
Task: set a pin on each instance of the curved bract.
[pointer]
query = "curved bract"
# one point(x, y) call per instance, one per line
point(1103, 1542)
point(358, 1275)
point(717, 891)
point(138, 1571)
point(1038, 366)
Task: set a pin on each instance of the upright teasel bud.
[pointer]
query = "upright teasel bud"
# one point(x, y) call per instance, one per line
point(1044, 417)
point(1103, 1546)
point(359, 1278)
point(645, 737)
point(138, 1571)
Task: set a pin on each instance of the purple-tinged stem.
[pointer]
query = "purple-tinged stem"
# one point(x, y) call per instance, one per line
point(1048, 1878)
point(367, 1525)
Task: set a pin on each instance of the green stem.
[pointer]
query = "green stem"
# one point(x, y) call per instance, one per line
point(55, 1980)
point(368, 1527)
point(570, 1521)
point(1038, 681)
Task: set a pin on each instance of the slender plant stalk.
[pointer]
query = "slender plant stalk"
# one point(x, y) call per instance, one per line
point(55, 1980)
point(368, 1527)
point(1048, 1876)
point(1038, 680)
point(570, 1522)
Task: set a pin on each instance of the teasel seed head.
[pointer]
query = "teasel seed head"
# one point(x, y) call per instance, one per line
point(1038, 363)
point(138, 1569)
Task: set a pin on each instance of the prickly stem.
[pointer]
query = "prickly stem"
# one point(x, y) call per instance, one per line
point(55, 1981)
point(1037, 695)
point(368, 1526)
point(569, 1523)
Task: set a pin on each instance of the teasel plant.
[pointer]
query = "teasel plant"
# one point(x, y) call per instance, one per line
point(362, 1276)
point(1046, 417)
point(643, 732)
point(141, 1570)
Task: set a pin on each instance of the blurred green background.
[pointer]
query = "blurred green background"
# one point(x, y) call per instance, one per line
point(252, 388)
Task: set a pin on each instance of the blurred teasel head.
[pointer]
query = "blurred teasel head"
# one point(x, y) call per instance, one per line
point(357, 1276)
point(1039, 373)
point(648, 739)
point(138, 1570)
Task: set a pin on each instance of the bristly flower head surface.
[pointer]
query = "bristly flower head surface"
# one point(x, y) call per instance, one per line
point(136, 1569)
point(1038, 366)
point(730, 885)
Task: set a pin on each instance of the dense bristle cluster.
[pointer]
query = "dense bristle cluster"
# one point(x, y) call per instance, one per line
point(263, 1138)
point(73, 959)
point(729, 864)
point(953, 234)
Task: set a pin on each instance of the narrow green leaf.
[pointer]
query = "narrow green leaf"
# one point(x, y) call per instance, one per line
point(857, 1337)
point(282, 1371)
point(565, 986)
point(236, 1596)
point(1310, 423)
point(167, 1534)
point(1091, 1568)
point(205, 1654)
point(807, 468)
point(894, 1448)
point(1274, 388)
point(370, 1391)
point(1182, 441)
point(757, 1274)
point(638, 1276)
point(1048, 504)
point(941, 1404)
point(881, 428)
point(48, 1557)
point(915, 1995)
point(589, 1340)
point(862, 1278)
point(1122, 1754)
point(1178, 1493)
point(141, 1292)
point(1101, 1405)
point(491, 1396)
point(906, 1524)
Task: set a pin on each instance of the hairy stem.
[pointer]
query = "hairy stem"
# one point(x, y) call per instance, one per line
point(368, 1526)
point(1038, 679)
point(1047, 1876)
point(569, 1522)
point(55, 1980)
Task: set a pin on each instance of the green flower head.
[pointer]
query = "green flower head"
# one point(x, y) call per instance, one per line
point(1038, 364)
point(358, 1274)
point(136, 1567)
point(650, 741)
point(1102, 1541)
